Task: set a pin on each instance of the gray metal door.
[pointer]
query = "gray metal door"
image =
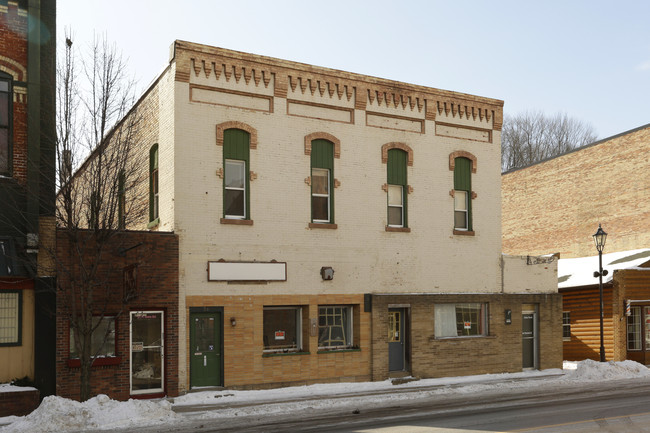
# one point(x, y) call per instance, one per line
point(529, 340)
point(396, 339)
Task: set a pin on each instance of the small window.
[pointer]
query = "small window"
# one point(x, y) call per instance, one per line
point(460, 320)
point(11, 312)
point(282, 329)
point(322, 181)
point(121, 201)
point(6, 109)
point(102, 341)
point(634, 329)
point(153, 184)
point(7, 257)
point(334, 327)
point(236, 179)
point(462, 194)
point(566, 325)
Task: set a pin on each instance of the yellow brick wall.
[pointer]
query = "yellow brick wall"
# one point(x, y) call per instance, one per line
point(555, 206)
point(244, 363)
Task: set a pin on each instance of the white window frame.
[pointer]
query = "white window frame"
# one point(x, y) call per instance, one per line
point(446, 320)
point(298, 324)
point(350, 323)
point(230, 188)
point(566, 324)
point(400, 206)
point(328, 195)
point(162, 353)
point(637, 331)
point(457, 200)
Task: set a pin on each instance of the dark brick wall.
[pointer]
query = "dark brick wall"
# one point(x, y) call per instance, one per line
point(157, 271)
point(18, 403)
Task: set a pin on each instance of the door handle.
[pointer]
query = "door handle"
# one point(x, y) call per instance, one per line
point(205, 361)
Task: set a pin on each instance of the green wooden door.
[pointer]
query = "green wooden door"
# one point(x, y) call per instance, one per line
point(205, 349)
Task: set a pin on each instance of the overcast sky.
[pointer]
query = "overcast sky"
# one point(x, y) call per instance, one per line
point(589, 59)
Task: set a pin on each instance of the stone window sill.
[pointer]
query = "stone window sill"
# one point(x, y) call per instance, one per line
point(271, 354)
point(153, 223)
point(236, 222)
point(464, 232)
point(322, 226)
point(398, 229)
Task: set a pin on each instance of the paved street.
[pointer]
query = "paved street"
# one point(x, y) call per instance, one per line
point(612, 406)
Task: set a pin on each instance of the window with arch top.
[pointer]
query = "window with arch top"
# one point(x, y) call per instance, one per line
point(397, 188)
point(236, 181)
point(463, 194)
point(322, 181)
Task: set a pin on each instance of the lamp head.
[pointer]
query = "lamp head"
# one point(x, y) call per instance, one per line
point(599, 238)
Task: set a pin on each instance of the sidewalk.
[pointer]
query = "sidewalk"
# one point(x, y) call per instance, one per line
point(201, 401)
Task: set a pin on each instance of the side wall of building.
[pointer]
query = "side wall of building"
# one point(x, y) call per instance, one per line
point(557, 205)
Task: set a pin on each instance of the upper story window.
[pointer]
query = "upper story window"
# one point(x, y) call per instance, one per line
point(5, 124)
point(121, 201)
point(153, 184)
point(7, 257)
point(397, 188)
point(463, 165)
point(322, 181)
point(236, 184)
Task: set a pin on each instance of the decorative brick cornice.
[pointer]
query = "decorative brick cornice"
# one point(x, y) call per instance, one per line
point(237, 125)
point(325, 136)
point(401, 146)
point(13, 68)
point(461, 154)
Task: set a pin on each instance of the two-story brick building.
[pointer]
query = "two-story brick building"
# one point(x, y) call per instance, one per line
point(334, 226)
point(27, 110)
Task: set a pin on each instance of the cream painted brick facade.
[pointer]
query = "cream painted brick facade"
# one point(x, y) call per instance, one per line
point(284, 102)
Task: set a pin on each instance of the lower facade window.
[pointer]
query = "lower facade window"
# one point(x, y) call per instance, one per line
point(566, 325)
point(147, 352)
point(10, 317)
point(282, 329)
point(102, 341)
point(334, 327)
point(460, 320)
point(634, 329)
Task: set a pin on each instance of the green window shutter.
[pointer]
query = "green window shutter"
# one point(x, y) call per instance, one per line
point(397, 160)
point(463, 182)
point(322, 156)
point(236, 145)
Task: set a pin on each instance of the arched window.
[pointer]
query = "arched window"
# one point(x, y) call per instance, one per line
point(153, 185)
point(322, 181)
point(397, 188)
point(6, 114)
point(236, 182)
point(462, 194)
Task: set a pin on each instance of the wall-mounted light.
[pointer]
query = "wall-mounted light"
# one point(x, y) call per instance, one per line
point(233, 321)
point(327, 273)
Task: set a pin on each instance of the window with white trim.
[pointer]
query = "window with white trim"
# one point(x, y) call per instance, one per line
point(396, 191)
point(460, 320)
point(236, 179)
point(334, 327)
point(282, 329)
point(322, 181)
point(462, 194)
point(634, 329)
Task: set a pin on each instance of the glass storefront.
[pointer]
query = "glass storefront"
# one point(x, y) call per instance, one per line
point(147, 352)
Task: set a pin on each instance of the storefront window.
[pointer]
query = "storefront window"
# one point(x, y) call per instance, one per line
point(634, 329)
point(460, 320)
point(282, 330)
point(147, 367)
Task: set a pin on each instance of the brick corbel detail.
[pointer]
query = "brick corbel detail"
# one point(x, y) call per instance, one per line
point(472, 194)
point(461, 154)
point(221, 127)
point(395, 145)
point(325, 136)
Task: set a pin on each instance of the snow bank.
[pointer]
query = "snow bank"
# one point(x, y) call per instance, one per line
point(594, 371)
point(57, 414)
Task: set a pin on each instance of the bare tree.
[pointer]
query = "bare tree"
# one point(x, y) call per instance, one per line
point(530, 137)
point(100, 176)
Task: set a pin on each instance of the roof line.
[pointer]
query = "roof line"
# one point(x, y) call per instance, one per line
point(595, 143)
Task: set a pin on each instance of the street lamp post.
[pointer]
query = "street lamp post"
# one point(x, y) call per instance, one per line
point(599, 239)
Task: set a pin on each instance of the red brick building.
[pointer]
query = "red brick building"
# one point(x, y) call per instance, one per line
point(139, 303)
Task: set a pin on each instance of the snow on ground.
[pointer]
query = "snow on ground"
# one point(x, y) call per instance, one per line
point(56, 414)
